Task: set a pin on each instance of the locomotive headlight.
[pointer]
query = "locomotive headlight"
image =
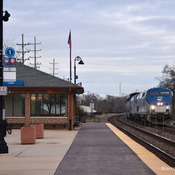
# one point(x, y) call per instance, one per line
point(153, 107)
point(167, 109)
point(159, 103)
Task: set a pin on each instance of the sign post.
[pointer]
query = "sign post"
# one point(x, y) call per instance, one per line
point(3, 124)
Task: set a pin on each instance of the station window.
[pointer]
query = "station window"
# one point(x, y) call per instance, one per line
point(15, 105)
point(49, 105)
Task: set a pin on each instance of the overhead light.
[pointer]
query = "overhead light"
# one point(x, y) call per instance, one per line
point(81, 62)
point(6, 16)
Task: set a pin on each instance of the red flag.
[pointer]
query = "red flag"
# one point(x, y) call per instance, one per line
point(69, 40)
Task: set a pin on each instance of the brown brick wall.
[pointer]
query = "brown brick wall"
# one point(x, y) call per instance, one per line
point(27, 109)
point(49, 120)
point(71, 111)
point(15, 119)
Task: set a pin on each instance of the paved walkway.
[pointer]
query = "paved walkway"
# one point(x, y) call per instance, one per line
point(96, 150)
point(41, 158)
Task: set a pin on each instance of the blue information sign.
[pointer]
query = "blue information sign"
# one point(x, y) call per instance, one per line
point(10, 83)
point(9, 52)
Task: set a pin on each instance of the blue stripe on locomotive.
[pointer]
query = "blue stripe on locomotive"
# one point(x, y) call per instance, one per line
point(158, 97)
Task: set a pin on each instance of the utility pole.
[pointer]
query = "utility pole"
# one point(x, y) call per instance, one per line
point(23, 51)
point(54, 67)
point(120, 89)
point(35, 57)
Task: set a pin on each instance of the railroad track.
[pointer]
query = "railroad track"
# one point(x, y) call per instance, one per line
point(160, 146)
point(165, 128)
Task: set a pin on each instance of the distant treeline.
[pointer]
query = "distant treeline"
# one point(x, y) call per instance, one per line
point(109, 104)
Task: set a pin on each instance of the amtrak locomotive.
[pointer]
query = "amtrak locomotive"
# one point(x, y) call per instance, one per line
point(153, 105)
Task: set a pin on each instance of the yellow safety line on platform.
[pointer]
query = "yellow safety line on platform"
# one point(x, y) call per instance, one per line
point(157, 165)
point(145, 154)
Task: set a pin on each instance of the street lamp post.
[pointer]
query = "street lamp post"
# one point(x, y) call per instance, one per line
point(78, 58)
point(3, 124)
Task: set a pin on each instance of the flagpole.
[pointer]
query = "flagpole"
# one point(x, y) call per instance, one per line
point(70, 65)
point(70, 46)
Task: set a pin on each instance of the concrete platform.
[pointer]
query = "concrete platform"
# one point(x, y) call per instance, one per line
point(96, 150)
point(41, 158)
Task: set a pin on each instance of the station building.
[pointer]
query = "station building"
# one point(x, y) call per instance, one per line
point(39, 98)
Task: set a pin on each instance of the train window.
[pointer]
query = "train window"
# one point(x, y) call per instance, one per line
point(143, 94)
point(154, 93)
point(138, 96)
point(132, 98)
point(164, 93)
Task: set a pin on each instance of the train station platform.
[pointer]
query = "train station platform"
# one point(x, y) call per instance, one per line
point(96, 150)
point(93, 149)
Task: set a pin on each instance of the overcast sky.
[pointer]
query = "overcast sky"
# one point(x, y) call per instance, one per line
point(120, 41)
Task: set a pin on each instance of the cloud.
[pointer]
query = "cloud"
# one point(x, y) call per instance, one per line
point(119, 40)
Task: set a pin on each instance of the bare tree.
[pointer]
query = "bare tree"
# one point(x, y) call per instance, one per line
point(109, 104)
point(167, 80)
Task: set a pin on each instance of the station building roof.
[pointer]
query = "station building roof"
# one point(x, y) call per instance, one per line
point(36, 79)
